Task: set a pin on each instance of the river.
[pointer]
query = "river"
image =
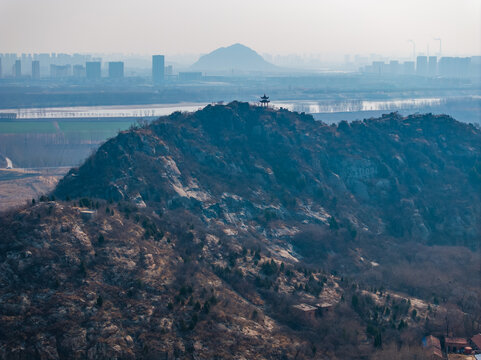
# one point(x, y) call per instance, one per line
point(155, 110)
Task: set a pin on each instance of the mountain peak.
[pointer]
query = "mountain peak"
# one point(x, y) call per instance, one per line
point(236, 57)
point(239, 45)
point(279, 148)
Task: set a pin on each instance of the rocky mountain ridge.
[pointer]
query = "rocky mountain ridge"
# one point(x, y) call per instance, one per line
point(415, 177)
point(245, 232)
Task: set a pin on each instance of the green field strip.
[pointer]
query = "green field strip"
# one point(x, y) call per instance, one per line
point(93, 126)
point(27, 127)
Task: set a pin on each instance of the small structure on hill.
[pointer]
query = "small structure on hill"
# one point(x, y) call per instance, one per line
point(432, 348)
point(87, 214)
point(265, 101)
point(453, 344)
point(305, 311)
point(476, 342)
point(324, 307)
point(461, 357)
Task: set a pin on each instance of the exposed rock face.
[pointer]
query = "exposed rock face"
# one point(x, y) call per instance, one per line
point(72, 288)
point(366, 171)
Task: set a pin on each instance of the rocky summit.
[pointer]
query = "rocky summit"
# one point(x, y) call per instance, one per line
point(414, 177)
point(250, 233)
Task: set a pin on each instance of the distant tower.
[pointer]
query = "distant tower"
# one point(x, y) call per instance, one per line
point(35, 69)
point(265, 101)
point(440, 48)
point(422, 65)
point(116, 69)
point(432, 66)
point(158, 69)
point(92, 70)
point(18, 68)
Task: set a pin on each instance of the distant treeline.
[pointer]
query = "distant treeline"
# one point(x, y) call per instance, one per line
point(218, 88)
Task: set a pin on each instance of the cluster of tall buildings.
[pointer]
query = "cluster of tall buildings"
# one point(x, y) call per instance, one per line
point(63, 66)
point(36, 65)
point(427, 66)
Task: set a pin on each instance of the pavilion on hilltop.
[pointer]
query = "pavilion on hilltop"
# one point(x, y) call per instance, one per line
point(265, 101)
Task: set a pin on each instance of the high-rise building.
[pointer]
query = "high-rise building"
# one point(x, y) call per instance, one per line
point(0, 67)
point(158, 69)
point(378, 67)
point(44, 62)
point(35, 69)
point(26, 63)
point(422, 65)
point(92, 70)
point(7, 63)
point(169, 70)
point(116, 69)
point(454, 67)
point(432, 66)
point(18, 68)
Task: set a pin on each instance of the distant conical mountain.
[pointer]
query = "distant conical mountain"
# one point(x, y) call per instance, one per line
point(235, 57)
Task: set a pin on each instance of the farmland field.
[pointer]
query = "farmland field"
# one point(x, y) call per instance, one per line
point(17, 186)
point(23, 127)
point(94, 126)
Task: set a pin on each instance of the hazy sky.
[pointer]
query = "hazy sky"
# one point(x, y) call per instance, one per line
point(268, 26)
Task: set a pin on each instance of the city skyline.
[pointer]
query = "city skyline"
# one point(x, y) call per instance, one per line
point(276, 28)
